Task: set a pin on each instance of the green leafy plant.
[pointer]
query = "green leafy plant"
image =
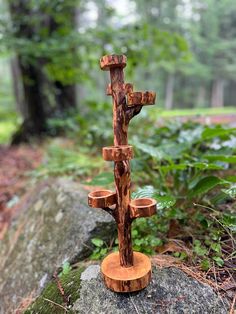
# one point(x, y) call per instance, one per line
point(190, 167)
point(100, 249)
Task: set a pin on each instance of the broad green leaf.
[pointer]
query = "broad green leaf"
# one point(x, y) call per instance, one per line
point(204, 185)
point(146, 191)
point(151, 151)
point(181, 166)
point(66, 268)
point(216, 247)
point(209, 133)
point(173, 150)
point(223, 158)
point(219, 198)
point(165, 201)
point(197, 165)
point(97, 242)
point(229, 221)
point(219, 261)
point(200, 250)
point(204, 166)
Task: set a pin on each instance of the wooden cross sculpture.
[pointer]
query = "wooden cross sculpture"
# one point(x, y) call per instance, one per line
point(123, 271)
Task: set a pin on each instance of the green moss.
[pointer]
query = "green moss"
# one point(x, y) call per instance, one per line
point(45, 303)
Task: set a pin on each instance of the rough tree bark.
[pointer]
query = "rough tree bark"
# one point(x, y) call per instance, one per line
point(121, 168)
point(17, 85)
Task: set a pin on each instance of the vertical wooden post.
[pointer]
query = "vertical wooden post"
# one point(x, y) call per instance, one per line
point(121, 168)
point(125, 271)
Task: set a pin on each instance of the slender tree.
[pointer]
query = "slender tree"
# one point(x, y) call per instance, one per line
point(41, 35)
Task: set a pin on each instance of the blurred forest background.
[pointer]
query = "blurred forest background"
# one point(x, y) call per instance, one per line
point(183, 49)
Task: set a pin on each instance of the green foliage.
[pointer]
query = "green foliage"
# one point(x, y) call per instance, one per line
point(102, 179)
point(51, 296)
point(66, 268)
point(204, 185)
point(188, 168)
point(63, 158)
point(100, 249)
point(163, 201)
point(192, 160)
point(8, 125)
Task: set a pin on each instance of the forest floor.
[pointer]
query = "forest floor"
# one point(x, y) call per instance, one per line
point(15, 163)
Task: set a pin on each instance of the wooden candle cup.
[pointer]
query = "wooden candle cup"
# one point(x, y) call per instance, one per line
point(101, 199)
point(141, 98)
point(142, 207)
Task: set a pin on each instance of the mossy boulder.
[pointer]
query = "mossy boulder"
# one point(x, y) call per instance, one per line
point(55, 226)
point(54, 301)
point(170, 291)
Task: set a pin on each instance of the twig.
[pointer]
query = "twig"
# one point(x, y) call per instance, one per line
point(231, 311)
point(60, 288)
point(135, 307)
point(57, 304)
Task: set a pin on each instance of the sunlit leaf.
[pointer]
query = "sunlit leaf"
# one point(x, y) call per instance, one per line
point(146, 191)
point(97, 242)
point(165, 201)
point(230, 191)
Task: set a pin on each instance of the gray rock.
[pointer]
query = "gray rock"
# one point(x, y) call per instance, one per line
point(55, 226)
point(91, 272)
point(171, 291)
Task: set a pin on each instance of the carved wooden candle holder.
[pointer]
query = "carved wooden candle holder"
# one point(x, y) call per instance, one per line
point(123, 271)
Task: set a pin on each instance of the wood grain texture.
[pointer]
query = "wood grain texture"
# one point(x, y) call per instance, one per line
point(128, 89)
point(121, 168)
point(121, 279)
point(117, 153)
point(112, 61)
point(141, 98)
point(142, 207)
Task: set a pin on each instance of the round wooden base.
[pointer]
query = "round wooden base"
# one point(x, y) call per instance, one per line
point(122, 279)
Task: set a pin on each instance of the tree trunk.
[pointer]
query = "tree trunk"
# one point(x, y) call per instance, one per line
point(43, 98)
point(65, 96)
point(35, 103)
point(217, 96)
point(121, 168)
point(169, 91)
point(17, 85)
point(201, 96)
